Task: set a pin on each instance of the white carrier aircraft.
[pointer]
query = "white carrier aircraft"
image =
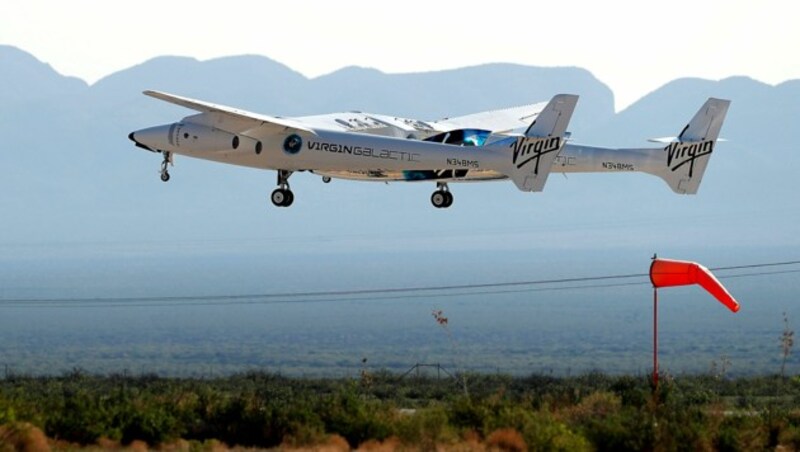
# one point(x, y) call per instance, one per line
point(523, 144)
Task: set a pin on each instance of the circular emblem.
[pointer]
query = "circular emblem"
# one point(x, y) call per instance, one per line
point(292, 144)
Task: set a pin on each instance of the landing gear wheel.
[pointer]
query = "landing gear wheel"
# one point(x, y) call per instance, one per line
point(449, 200)
point(442, 198)
point(164, 163)
point(439, 199)
point(282, 197)
point(326, 179)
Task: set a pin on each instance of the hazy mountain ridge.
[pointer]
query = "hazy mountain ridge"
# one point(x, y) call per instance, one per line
point(27, 80)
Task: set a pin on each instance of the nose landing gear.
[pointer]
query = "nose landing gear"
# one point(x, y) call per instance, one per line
point(167, 161)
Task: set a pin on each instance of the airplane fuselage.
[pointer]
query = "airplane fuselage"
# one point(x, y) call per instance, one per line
point(478, 147)
point(360, 156)
point(333, 151)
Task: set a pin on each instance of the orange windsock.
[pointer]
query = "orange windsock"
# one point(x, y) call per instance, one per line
point(667, 273)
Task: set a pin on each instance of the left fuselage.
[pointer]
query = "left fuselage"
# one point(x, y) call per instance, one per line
point(325, 151)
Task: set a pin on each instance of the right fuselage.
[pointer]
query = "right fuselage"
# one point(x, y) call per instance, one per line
point(573, 158)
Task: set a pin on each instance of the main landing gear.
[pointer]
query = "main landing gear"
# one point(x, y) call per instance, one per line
point(442, 198)
point(283, 196)
point(167, 161)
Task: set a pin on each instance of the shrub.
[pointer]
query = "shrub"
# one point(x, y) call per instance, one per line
point(347, 414)
point(540, 429)
point(425, 428)
point(628, 429)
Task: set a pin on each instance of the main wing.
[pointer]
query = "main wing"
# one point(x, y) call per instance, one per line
point(370, 123)
point(230, 119)
point(498, 121)
point(236, 120)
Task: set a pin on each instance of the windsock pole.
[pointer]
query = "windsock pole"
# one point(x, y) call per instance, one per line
point(655, 337)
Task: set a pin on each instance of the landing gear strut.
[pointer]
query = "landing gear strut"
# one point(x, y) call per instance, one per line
point(167, 161)
point(442, 198)
point(283, 196)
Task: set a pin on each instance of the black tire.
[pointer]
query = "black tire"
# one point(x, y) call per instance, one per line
point(289, 198)
point(165, 176)
point(449, 200)
point(278, 197)
point(439, 199)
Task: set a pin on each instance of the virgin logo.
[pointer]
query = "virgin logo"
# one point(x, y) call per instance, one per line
point(528, 150)
point(680, 154)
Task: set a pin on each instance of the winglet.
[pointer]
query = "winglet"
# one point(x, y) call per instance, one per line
point(533, 155)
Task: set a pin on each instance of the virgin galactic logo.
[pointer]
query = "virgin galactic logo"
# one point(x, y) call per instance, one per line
point(292, 144)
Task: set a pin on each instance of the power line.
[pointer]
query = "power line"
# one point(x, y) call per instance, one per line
point(770, 264)
point(339, 292)
point(466, 290)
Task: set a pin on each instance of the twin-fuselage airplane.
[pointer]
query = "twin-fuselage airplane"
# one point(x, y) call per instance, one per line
point(524, 144)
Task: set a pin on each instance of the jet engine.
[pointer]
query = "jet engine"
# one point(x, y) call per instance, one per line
point(200, 138)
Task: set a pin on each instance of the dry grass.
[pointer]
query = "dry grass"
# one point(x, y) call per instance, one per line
point(387, 445)
point(22, 436)
point(332, 443)
point(138, 446)
point(506, 439)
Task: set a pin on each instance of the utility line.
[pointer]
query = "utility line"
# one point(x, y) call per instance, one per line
point(375, 291)
point(770, 264)
point(359, 295)
point(341, 292)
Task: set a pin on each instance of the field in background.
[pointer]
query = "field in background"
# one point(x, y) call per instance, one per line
point(528, 330)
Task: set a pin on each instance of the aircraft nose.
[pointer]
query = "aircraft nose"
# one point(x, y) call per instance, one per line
point(139, 144)
point(153, 138)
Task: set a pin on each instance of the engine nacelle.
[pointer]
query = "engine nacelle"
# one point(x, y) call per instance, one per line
point(247, 144)
point(199, 138)
point(189, 137)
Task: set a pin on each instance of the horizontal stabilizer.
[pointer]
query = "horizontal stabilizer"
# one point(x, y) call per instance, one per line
point(667, 140)
point(664, 140)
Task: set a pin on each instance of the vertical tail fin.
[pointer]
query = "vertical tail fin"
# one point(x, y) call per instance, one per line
point(535, 153)
point(688, 156)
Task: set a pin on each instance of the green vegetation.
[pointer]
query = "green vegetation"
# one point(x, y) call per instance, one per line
point(588, 412)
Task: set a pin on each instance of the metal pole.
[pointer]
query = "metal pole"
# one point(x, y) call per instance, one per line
point(655, 337)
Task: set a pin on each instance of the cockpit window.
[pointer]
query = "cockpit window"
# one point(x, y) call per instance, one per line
point(462, 137)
